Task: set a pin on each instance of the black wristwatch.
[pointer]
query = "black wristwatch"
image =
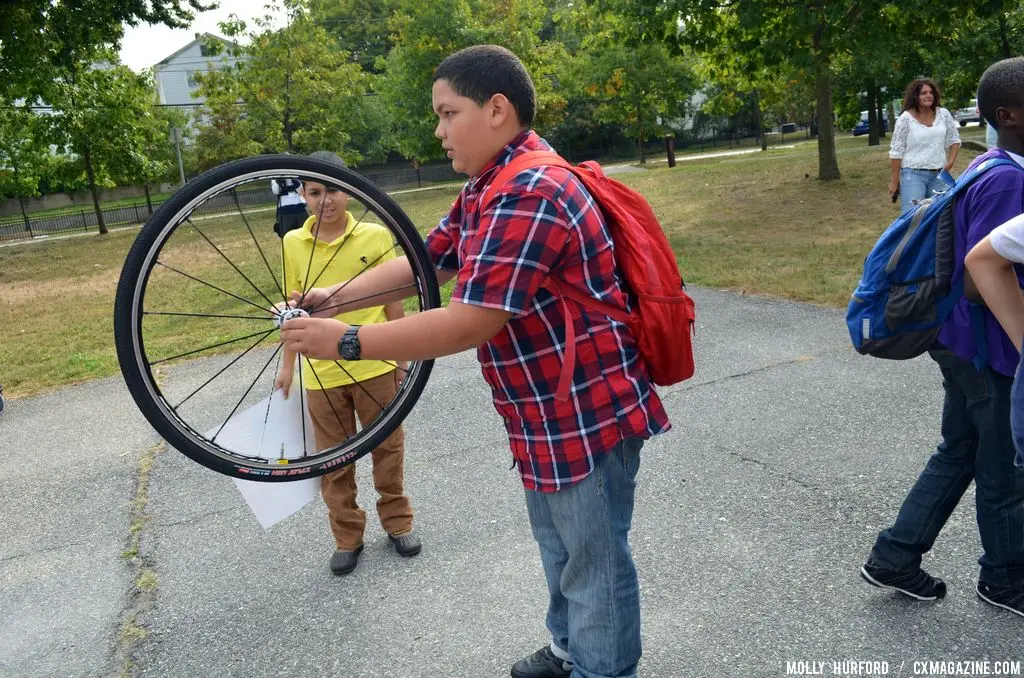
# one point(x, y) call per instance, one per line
point(349, 347)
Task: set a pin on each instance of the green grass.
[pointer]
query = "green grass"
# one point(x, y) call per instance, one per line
point(757, 223)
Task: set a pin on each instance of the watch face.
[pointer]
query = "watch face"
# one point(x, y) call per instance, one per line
point(349, 345)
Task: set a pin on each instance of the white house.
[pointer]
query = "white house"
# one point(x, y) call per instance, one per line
point(175, 75)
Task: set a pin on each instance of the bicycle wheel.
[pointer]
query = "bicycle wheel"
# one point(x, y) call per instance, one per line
point(198, 308)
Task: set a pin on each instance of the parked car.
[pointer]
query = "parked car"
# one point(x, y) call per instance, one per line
point(968, 114)
point(862, 125)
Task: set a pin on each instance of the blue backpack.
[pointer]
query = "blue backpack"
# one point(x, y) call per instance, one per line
point(906, 291)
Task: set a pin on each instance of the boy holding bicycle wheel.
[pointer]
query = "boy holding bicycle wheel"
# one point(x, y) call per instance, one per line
point(578, 455)
point(330, 247)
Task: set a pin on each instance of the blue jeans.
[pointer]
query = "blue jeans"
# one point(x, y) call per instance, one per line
point(976, 444)
point(583, 533)
point(918, 184)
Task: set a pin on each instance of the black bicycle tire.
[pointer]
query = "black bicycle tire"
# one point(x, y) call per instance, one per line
point(130, 296)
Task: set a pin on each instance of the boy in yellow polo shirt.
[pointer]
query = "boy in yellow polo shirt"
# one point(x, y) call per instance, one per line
point(336, 395)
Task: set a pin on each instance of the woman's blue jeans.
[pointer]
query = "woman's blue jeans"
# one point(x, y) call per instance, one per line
point(583, 533)
point(918, 184)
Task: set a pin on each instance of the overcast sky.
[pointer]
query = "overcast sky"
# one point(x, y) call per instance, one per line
point(146, 45)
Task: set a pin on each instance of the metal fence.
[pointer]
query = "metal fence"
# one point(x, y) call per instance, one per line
point(83, 220)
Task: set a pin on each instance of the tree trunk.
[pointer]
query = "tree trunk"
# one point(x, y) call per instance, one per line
point(24, 214)
point(21, 202)
point(874, 123)
point(1004, 37)
point(640, 140)
point(149, 200)
point(828, 166)
point(87, 156)
point(881, 118)
point(757, 121)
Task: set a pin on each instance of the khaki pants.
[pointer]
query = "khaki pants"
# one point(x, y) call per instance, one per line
point(339, 488)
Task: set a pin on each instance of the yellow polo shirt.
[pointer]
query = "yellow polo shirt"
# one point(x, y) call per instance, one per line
point(361, 245)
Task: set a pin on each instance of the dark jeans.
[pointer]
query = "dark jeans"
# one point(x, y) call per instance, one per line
point(583, 534)
point(976, 445)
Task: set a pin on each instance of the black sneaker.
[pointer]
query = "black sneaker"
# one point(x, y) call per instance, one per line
point(1004, 597)
point(917, 584)
point(407, 544)
point(542, 664)
point(343, 562)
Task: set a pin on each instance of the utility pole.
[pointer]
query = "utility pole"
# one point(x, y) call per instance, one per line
point(176, 132)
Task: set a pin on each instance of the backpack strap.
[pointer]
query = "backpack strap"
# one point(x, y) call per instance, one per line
point(559, 289)
point(980, 360)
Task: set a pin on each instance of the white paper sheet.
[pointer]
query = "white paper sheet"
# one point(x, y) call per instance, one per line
point(281, 437)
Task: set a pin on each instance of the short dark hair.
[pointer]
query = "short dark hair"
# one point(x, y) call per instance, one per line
point(330, 157)
point(481, 71)
point(910, 98)
point(1001, 86)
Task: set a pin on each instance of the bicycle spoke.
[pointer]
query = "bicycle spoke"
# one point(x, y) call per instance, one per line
point(207, 348)
point(246, 394)
point(302, 408)
point(368, 296)
point(210, 315)
point(354, 381)
point(280, 288)
point(329, 401)
point(312, 249)
point(223, 370)
point(272, 309)
point(395, 365)
point(270, 400)
point(346, 284)
point(231, 263)
point(336, 250)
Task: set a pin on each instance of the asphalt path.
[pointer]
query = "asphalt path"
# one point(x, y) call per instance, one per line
point(788, 454)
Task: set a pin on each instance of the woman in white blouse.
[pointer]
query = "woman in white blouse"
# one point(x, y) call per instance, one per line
point(924, 145)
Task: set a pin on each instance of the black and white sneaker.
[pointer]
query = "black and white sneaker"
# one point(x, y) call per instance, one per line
point(917, 584)
point(542, 664)
point(1007, 598)
point(1, 399)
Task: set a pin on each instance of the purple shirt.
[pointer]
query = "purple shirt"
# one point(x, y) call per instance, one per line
point(997, 196)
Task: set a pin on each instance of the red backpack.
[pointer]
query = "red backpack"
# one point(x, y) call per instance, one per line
point(663, 314)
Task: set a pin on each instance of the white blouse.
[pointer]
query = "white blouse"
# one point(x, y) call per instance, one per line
point(919, 146)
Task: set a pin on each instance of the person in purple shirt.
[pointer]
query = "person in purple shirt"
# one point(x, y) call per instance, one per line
point(977, 375)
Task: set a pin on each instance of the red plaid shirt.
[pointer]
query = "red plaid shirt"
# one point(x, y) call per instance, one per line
point(546, 223)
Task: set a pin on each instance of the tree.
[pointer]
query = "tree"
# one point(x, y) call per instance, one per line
point(39, 38)
point(223, 131)
point(298, 91)
point(638, 88)
point(989, 31)
point(23, 158)
point(153, 157)
point(361, 27)
point(425, 33)
point(100, 113)
point(809, 36)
